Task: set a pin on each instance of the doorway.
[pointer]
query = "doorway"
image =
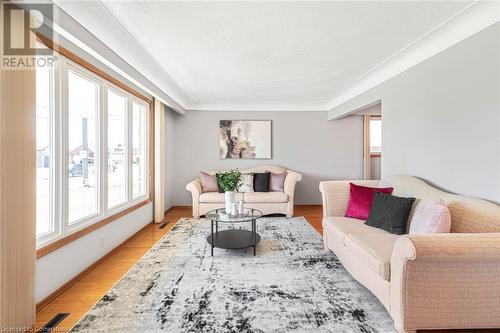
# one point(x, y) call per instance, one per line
point(372, 142)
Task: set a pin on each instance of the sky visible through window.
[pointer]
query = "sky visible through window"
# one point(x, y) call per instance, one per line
point(139, 173)
point(375, 135)
point(43, 150)
point(82, 149)
point(104, 147)
point(117, 149)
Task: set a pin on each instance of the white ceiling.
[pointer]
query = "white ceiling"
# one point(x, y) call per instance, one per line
point(264, 55)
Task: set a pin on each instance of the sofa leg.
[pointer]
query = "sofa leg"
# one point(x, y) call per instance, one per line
point(196, 213)
point(325, 244)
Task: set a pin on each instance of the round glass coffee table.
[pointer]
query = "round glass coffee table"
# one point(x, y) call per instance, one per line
point(233, 238)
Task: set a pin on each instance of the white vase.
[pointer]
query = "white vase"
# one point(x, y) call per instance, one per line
point(230, 198)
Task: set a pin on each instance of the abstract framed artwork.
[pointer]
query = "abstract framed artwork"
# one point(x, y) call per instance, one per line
point(245, 139)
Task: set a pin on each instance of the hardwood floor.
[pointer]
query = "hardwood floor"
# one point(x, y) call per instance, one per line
point(81, 296)
point(84, 293)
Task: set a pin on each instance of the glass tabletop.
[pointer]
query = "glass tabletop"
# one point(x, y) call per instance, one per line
point(221, 215)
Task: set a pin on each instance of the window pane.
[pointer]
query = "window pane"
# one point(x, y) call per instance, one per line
point(117, 148)
point(82, 147)
point(139, 153)
point(375, 135)
point(43, 150)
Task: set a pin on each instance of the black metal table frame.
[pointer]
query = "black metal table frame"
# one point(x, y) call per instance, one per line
point(216, 221)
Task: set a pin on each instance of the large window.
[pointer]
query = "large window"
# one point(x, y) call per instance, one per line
point(92, 154)
point(117, 149)
point(83, 112)
point(139, 150)
point(44, 147)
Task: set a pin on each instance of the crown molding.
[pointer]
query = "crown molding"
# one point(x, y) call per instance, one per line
point(472, 19)
point(255, 107)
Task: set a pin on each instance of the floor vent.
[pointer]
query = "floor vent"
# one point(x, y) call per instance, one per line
point(163, 225)
point(49, 327)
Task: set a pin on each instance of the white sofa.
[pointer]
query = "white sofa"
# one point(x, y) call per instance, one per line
point(267, 202)
point(437, 281)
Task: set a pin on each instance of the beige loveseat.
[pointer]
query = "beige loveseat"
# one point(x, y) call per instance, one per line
point(266, 202)
point(438, 281)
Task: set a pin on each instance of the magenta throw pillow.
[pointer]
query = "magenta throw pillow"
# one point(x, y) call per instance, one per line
point(361, 198)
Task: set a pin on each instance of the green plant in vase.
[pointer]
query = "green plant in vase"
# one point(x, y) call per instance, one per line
point(229, 181)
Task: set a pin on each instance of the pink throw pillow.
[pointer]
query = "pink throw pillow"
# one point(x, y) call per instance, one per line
point(361, 198)
point(208, 182)
point(430, 217)
point(277, 182)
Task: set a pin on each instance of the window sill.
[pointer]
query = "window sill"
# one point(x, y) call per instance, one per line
point(46, 249)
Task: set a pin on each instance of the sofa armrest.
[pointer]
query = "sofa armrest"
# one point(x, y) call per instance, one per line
point(291, 179)
point(335, 195)
point(195, 188)
point(446, 281)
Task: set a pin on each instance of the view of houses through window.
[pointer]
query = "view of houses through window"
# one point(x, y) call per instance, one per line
point(117, 148)
point(83, 108)
point(92, 149)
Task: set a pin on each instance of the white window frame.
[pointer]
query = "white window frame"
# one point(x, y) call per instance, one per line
point(59, 167)
point(54, 227)
point(90, 219)
point(117, 90)
point(146, 147)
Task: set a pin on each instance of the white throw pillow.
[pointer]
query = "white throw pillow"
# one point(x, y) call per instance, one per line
point(430, 217)
point(246, 183)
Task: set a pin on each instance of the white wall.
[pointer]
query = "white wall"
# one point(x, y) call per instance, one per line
point(302, 141)
point(441, 118)
point(58, 267)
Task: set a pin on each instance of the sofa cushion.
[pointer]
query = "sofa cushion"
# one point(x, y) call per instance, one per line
point(265, 197)
point(431, 216)
point(277, 182)
point(374, 250)
point(246, 182)
point(338, 226)
point(390, 213)
point(360, 200)
point(219, 188)
point(261, 181)
point(208, 182)
point(215, 197)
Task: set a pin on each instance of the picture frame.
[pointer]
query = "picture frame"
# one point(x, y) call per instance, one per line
point(245, 139)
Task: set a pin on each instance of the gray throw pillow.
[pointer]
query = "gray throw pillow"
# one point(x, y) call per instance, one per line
point(261, 181)
point(390, 213)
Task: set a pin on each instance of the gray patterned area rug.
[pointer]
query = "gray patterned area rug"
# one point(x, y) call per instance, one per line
point(291, 285)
